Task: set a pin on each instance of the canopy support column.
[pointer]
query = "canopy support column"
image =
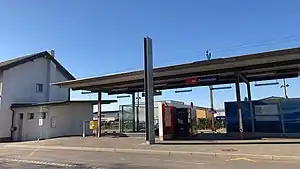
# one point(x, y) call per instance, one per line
point(133, 112)
point(239, 106)
point(251, 106)
point(99, 113)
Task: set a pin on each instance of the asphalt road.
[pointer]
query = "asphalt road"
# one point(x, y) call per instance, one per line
point(51, 159)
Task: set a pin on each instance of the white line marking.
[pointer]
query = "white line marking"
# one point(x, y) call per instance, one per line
point(35, 150)
point(156, 159)
point(237, 159)
point(40, 162)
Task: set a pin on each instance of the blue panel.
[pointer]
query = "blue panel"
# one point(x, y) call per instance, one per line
point(289, 107)
point(291, 115)
point(268, 126)
point(232, 117)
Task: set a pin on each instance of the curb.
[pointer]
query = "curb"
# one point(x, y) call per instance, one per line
point(151, 151)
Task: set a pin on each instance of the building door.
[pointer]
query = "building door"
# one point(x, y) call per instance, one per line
point(20, 126)
point(181, 123)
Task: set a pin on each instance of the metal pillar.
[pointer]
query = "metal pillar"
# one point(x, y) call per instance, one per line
point(133, 112)
point(138, 112)
point(121, 119)
point(208, 55)
point(83, 128)
point(148, 81)
point(212, 107)
point(145, 88)
point(239, 106)
point(251, 106)
point(99, 113)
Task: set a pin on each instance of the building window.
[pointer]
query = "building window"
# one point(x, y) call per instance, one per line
point(39, 88)
point(30, 116)
point(43, 115)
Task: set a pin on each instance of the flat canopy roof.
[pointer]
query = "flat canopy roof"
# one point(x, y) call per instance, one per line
point(254, 67)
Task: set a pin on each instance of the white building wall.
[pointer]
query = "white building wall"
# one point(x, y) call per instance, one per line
point(4, 118)
point(19, 83)
point(19, 86)
point(68, 121)
point(56, 92)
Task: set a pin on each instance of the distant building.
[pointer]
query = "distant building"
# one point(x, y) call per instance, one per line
point(220, 113)
point(202, 112)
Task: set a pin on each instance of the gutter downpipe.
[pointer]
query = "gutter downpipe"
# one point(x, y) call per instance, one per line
point(12, 123)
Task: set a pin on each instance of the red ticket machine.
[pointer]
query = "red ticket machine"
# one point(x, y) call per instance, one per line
point(168, 118)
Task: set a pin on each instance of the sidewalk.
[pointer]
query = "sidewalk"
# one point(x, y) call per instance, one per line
point(267, 149)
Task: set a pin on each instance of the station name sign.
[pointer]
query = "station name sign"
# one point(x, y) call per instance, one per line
point(203, 79)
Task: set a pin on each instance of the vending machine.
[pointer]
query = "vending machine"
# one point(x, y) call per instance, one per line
point(167, 131)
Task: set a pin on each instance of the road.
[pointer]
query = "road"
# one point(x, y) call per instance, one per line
point(53, 159)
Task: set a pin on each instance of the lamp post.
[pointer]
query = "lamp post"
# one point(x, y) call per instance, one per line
point(208, 56)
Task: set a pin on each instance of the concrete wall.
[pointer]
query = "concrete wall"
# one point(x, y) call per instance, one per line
point(19, 86)
point(68, 121)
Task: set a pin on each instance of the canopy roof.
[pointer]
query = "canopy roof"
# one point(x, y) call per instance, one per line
point(254, 67)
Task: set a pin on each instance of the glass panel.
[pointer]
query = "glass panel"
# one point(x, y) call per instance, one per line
point(126, 118)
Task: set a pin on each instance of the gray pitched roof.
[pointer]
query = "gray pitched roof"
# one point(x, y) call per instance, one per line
point(23, 59)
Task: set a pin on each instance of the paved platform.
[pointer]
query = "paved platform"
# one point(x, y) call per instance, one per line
point(39, 158)
point(269, 149)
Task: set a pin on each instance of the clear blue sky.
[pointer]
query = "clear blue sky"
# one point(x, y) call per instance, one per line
point(97, 37)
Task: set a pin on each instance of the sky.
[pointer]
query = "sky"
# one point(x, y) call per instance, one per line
point(98, 37)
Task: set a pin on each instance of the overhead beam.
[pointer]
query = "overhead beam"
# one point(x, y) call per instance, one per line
point(243, 77)
point(140, 88)
point(220, 88)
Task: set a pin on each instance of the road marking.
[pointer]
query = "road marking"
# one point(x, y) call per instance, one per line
point(35, 150)
point(238, 159)
point(40, 162)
